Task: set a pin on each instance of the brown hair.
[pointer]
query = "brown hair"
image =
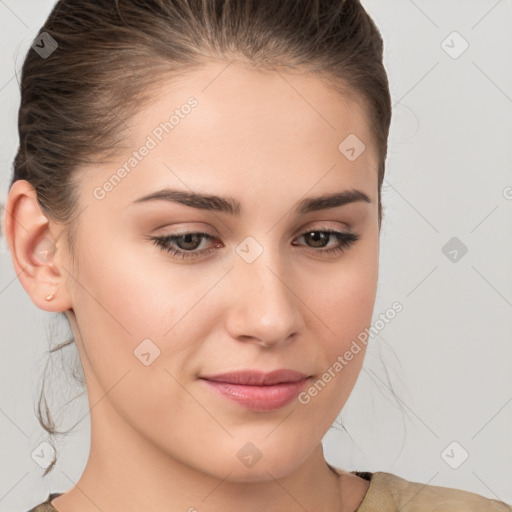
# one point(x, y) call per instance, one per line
point(77, 103)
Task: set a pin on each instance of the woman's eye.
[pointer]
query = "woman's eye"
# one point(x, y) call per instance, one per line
point(320, 238)
point(185, 245)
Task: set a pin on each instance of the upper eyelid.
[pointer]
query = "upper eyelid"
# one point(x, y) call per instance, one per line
point(316, 227)
point(212, 238)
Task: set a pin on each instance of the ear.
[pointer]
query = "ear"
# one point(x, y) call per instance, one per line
point(36, 250)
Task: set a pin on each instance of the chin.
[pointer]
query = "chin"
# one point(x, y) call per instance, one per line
point(250, 464)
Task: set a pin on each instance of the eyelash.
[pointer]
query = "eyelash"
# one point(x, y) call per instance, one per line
point(345, 238)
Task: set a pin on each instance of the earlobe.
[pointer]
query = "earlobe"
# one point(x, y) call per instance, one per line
point(33, 248)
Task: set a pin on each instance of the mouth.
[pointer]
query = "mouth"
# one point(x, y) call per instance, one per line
point(258, 391)
point(258, 378)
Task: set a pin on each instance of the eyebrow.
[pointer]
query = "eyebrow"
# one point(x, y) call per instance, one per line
point(233, 207)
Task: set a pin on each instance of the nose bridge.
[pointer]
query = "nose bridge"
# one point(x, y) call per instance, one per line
point(265, 305)
point(260, 267)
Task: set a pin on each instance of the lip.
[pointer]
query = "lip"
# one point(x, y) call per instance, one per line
point(256, 390)
point(257, 377)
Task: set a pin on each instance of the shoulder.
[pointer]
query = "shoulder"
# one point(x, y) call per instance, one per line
point(46, 506)
point(388, 491)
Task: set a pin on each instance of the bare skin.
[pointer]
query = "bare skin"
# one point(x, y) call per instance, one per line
point(160, 439)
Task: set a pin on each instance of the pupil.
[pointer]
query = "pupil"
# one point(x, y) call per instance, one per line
point(318, 235)
point(187, 239)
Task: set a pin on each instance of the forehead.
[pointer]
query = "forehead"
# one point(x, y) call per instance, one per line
point(247, 129)
point(236, 100)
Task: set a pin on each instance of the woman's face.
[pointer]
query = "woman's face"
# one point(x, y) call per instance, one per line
point(150, 324)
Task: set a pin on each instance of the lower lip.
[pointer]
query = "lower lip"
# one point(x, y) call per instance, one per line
point(259, 398)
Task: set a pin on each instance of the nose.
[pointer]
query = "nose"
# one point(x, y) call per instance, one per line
point(264, 307)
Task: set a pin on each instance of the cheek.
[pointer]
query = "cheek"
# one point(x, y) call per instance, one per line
point(341, 299)
point(135, 291)
point(342, 294)
point(344, 308)
point(133, 307)
point(132, 323)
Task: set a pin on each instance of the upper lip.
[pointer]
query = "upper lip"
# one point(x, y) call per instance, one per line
point(257, 378)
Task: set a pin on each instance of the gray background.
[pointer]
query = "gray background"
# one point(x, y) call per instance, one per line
point(448, 354)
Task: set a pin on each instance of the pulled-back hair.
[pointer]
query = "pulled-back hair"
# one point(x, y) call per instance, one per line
point(77, 103)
